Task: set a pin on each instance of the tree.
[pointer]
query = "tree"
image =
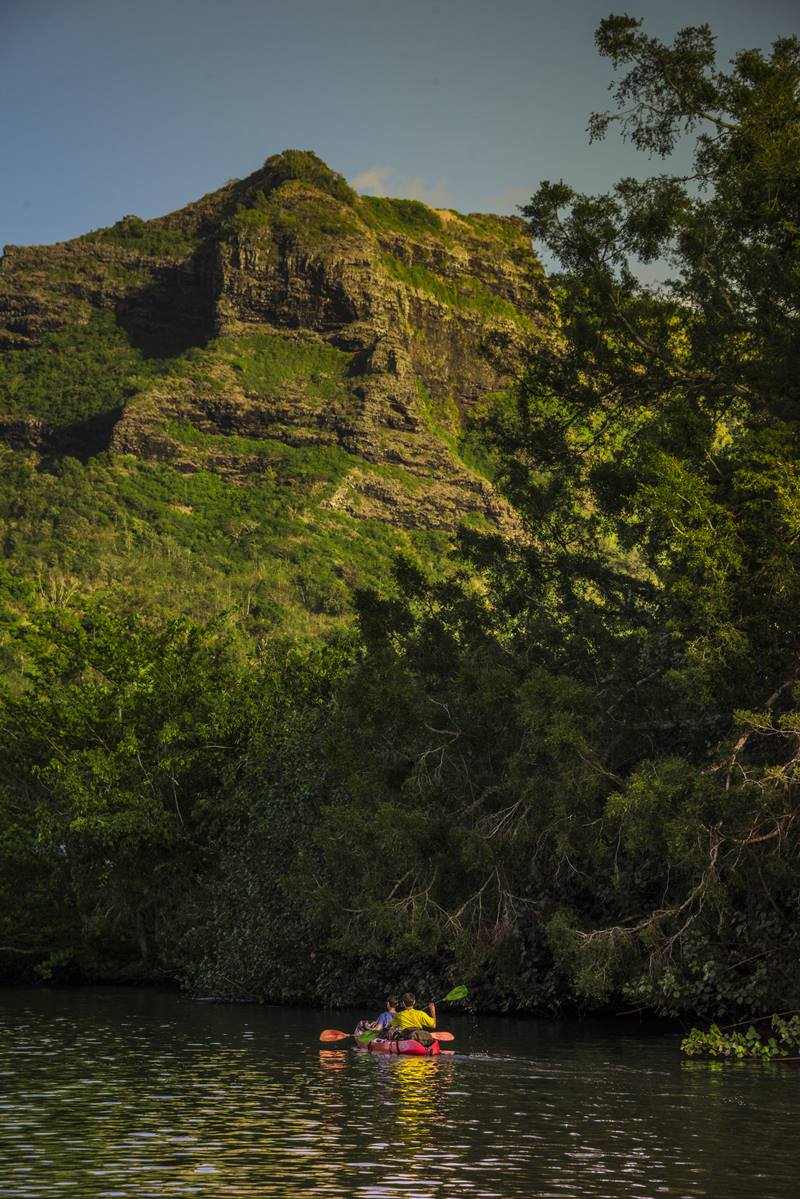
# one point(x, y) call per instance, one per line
point(112, 758)
point(637, 793)
point(662, 429)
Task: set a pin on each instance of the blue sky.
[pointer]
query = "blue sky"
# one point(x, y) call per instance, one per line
point(139, 106)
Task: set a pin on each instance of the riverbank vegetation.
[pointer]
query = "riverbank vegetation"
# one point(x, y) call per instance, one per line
point(780, 1041)
point(563, 771)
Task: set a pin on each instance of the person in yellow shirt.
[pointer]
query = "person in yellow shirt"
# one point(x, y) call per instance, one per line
point(411, 1024)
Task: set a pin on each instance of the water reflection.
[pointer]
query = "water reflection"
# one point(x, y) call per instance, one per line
point(333, 1059)
point(421, 1086)
point(116, 1095)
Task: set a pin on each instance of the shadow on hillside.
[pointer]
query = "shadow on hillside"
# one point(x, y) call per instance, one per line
point(175, 311)
point(82, 440)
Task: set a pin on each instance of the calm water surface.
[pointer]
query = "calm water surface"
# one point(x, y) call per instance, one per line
point(129, 1093)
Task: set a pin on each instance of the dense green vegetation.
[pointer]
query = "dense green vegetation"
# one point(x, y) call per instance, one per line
point(562, 770)
point(196, 544)
point(294, 211)
point(782, 1041)
point(266, 362)
point(407, 216)
point(304, 166)
point(146, 238)
point(86, 371)
point(464, 292)
point(176, 542)
point(299, 196)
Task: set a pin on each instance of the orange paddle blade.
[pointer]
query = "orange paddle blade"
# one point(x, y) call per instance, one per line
point(443, 1036)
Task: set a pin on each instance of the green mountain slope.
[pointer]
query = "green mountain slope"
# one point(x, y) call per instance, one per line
point(252, 403)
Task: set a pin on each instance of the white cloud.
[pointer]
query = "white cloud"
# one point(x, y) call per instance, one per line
point(386, 181)
point(373, 181)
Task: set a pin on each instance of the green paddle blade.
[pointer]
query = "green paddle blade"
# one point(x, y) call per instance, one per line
point(456, 993)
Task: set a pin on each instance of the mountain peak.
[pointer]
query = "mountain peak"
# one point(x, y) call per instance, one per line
point(284, 337)
point(303, 166)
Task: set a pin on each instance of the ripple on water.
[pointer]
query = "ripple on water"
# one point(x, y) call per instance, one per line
point(109, 1095)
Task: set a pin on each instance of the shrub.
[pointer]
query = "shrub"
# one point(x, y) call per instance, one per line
point(306, 167)
point(146, 237)
point(82, 372)
point(406, 215)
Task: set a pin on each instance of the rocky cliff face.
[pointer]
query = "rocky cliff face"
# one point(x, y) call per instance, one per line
point(285, 309)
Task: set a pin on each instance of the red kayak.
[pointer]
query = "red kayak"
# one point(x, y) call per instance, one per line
point(410, 1047)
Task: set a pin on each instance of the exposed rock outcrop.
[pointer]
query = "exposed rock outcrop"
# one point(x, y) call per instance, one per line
point(423, 315)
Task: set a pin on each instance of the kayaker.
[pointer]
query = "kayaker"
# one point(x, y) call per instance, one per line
point(384, 1020)
point(386, 1017)
point(411, 1024)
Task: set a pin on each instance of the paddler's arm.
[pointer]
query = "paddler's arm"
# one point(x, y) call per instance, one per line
point(432, 1011)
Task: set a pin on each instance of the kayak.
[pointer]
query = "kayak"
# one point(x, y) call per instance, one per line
point(410, 1047)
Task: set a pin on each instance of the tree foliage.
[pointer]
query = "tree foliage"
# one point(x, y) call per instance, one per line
point(609, 724)
point(113, 757)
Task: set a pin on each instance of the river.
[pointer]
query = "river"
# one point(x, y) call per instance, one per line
point(119, 1093)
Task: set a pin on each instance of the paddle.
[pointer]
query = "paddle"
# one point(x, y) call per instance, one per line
point(460, 992)
point(333, 1034)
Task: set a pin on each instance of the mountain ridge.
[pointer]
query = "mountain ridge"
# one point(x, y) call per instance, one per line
point(279, 316)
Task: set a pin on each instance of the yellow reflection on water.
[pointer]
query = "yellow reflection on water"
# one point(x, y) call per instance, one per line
point(419, 1094)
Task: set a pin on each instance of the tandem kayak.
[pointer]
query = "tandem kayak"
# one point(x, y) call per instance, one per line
point(411, 1047)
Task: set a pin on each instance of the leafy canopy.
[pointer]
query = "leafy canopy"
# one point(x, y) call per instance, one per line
point(610, 721)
